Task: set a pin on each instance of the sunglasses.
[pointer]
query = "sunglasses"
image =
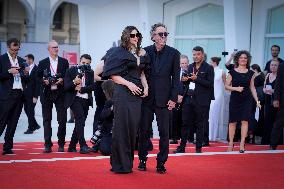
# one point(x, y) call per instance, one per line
point(161, 34)
point(138, 35)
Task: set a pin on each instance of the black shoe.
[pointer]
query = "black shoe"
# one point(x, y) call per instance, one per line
point(174, 141)
point(198, 150)
point(71, 150)
point(71, 121)
point(142, 165)
point(36, 128)
point(29, 131)
point(204, 144)
point(47, 149)
point(85, 150)
point(95, 148)
point(272, 147)
point(179, 150)
point(60, 148)
point(5, 152)
point(161, 168)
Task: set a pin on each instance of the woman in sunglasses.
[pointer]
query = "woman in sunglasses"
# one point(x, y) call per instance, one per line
point(125, 65)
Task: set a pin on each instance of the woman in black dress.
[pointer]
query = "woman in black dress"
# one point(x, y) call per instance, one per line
point(240, 82)
point(269, 110)
point(125, 65)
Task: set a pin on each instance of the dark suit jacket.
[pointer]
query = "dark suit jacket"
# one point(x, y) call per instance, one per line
point(164, 82)
point(204, 84)
point(70, 92)
point(279, 85)
point(31, 89)
point(44, 64)
point(7, 79)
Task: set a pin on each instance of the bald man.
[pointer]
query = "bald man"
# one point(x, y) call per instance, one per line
point(51, 72)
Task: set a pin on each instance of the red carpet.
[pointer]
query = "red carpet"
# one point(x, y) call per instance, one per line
point(228, 171)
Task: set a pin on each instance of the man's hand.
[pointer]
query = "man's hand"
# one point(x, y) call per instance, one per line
point(180, 98)
point(171, 105)
point(78, 88)
point(46, 82)
point(59, 82)
point(193, 77)
point(185, 78)
point(34, 100)
point(276, 104)
point(26, 70)
point(77, 80)
point(14, 71)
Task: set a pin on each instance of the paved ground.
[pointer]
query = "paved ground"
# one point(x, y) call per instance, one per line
point(38, 135)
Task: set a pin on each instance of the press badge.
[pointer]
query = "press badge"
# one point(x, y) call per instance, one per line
point(191, 85)
point(53, 87)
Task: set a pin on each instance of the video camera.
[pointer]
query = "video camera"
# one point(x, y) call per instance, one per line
point(52, 79)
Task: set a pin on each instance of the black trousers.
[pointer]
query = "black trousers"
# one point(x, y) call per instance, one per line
point(29, 108)
point(175, 123)
point(270, 115)
point(194, 115)
point(163, 121)
point(47, 104)
point(10, 111)
point(80, 108)
point(278, 125)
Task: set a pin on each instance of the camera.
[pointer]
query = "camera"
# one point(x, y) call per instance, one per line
point(52, 79)
point(96, 138)
point(83, 69)
point(185, 73)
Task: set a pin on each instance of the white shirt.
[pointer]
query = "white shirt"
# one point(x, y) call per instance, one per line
point(17, 84)
point(31, 68)
point(83, 84)
point(53, 65)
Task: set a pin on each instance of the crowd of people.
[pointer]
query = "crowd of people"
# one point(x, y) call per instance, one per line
point(131, 84)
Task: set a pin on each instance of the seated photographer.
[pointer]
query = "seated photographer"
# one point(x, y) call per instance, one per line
point(79, 84)
point(102, 137)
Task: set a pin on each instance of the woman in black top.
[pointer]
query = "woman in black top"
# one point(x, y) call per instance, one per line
point(125, 66)
point(269, 110)
point(240, 82)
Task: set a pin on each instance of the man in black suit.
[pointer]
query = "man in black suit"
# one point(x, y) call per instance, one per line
point(12, 82)
point(275, 50)
point(51, 72)
point(31, 93)
point(197, 100)
point(79, 84)
point(278, 103)
point(163, 81)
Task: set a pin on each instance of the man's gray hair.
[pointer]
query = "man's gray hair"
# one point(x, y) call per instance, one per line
point(155, 26)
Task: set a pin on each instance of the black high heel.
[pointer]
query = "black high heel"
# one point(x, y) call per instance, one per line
point(242, 150)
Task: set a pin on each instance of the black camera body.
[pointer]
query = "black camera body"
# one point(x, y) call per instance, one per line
point(52, 79)
point(185, 73)
point(83, 69)
point(96, 138)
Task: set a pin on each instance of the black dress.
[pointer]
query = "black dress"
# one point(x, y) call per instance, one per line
point(127, 108)
point(240, 102)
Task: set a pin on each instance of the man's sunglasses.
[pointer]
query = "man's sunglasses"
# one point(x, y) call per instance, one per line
point(138, 35)
point(161, 34)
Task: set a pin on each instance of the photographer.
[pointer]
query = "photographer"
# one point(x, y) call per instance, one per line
point(102, 137)
point(79, 84)
point(51, 72)
point(13, 73)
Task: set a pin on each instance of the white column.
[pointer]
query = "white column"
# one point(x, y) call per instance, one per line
point(42, 22)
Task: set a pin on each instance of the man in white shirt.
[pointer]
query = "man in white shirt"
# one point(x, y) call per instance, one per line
point(12, 81)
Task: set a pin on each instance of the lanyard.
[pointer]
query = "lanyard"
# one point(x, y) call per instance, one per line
point(51, 68)
point(195, 70)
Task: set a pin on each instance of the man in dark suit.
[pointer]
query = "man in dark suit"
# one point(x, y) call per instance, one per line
point(278, 103)
point(31, 93)
point(163, 81)
point(51, 72)
point(197, 100)
point(79, 84)
point(12, 82)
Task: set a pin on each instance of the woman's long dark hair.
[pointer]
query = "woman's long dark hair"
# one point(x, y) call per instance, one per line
point(108, 87)
point(125, 38)
point(238, 55)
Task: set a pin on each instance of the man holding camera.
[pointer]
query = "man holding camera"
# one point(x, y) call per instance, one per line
point(79, 84)
point(197, 99)
point(31, 93)
point(51, 72)
point(13, 73)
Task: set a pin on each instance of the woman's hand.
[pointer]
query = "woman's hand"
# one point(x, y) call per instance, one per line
point(145, 92)
point(239, 89)
point(258, 104)
point(134, 89)
point(142, 52)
